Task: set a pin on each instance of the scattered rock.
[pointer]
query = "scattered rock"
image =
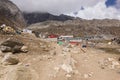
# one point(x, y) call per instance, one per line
point(53, 53)
point(24, 49)
point(110, 59)
point(90, 74)
point(68, 75)
point(67, 68)
point(9, 59)
point(110, 63)
point(86, 76)
point(66, 49)
point(109, 43)
point(28, 64)
point(57, 69)
point(70, 46)
point(114, 65)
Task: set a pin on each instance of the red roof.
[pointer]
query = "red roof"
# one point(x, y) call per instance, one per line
point(52, 36)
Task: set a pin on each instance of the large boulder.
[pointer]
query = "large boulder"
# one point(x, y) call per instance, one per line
point(9, 59)
point(11, 15)
point(12, 45)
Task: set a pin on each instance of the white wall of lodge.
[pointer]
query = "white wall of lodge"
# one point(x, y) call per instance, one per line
point(27, 31)
point(67, 36)
point(80, 40)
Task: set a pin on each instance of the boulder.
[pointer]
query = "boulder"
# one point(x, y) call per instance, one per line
point(13, 46)
point(24, 49)
point(16, 49)
point(67, 68)
point(9, 59)
point(12, 43)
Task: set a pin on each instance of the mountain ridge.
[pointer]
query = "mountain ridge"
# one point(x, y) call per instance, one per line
point(79, 27)
point(11, 15)
point(36, 17)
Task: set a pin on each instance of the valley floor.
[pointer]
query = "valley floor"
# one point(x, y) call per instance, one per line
point(50, 61)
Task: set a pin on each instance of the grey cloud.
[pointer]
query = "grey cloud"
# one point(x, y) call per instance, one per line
point(93, 8)
point(54, 6)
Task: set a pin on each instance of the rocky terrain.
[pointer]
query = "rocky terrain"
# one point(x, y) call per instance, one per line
point(11, 15)
point(23, 56)
point(79, 27)
point(46, 60)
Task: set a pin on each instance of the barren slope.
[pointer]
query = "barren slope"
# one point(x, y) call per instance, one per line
point(49, 61)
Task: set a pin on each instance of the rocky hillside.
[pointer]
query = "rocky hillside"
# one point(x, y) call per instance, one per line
point(79, 27)
point(40, 17)
point(11, 15)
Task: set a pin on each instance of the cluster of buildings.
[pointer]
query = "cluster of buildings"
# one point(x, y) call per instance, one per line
point(68, 39)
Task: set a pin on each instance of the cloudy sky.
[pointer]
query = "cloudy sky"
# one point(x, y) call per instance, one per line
point(87, 9)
